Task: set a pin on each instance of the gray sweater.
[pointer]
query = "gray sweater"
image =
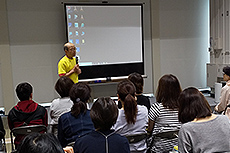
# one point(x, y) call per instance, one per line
point(205, 137)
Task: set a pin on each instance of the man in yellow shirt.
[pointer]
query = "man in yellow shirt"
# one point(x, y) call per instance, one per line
point(67, 66)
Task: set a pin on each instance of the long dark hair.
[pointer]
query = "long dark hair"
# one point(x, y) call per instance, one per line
point(126, 92)
point(168, 91)
point(192, 104)
point(138, 81)
point(79, 94)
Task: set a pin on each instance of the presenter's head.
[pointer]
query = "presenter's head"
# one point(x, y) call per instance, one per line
point(70, 50)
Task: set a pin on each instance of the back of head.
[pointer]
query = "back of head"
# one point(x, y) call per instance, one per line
point(168, 91)
point(40, 143)
point(138, 81)
point(79, 94)
point(63, 86)
point(104, 113)
point(192, 104)
point(126, 93)
point(226, 70)
point(23, 91)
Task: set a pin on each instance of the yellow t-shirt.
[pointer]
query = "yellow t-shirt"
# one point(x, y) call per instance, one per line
point(65, 65)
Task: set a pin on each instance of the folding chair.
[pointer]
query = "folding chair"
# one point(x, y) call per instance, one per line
point(2, 142)
point(25, 130)
point(168, 134)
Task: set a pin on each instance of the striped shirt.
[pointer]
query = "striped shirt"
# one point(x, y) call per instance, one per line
point(165, 120)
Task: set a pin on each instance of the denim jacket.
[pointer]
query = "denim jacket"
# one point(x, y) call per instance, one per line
point(70, 128)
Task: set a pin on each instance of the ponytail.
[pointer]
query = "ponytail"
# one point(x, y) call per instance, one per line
point(79, 94)
point(78, 107)
point(130, 108)
point(126, 92)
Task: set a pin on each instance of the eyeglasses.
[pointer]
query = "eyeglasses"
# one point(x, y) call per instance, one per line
point(72, 49)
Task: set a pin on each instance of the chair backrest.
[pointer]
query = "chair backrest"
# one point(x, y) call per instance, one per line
point(25, 130)
point(168, 135)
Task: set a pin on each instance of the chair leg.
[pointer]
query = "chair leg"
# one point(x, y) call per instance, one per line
point(12, 142)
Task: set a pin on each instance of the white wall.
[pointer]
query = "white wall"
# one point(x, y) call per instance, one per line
point(184, 40)
point(36, 35)
point(1, 95)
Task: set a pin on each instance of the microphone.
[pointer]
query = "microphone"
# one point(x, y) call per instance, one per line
point(76, 60)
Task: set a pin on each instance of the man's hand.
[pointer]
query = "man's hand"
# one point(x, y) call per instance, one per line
point(77, 69)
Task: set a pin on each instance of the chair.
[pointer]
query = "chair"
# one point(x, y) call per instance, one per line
point(25, 130)
point(164, 135)
point(136, 137)
point(168, 134)
point(2, 142)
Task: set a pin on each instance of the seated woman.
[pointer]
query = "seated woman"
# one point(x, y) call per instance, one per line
point(227, 111)
point(104, 114)
point(201, 130)
point(61, 105)
point(163, 115)
point(2, 136)
point(40, 143)
point(77, 122)
point(132, 118)
point(138, 81)
point(225, 92)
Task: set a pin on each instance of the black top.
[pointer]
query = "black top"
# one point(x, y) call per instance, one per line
point(98, 141)
point(141, 100)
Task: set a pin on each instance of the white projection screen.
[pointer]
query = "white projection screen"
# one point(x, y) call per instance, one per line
point(108, 38)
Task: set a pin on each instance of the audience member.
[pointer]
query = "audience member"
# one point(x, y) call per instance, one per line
point(61, 105)
point(2, 130)
point(68, 66)
point(138, 81)
point(132, 118)
point(201, 130)
point(26, 112)
point(227, 111)
point(104, 114)
point(40, 143)
point(2, 136)
point(77, 122)
point(225, 91)
point(163, 115)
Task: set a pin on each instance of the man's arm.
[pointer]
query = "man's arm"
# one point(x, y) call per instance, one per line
point(76, 69)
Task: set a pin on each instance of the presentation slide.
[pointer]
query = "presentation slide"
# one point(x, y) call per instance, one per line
point(106, 35)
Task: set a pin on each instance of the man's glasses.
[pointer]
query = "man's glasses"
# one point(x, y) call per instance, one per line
point(72, 49)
